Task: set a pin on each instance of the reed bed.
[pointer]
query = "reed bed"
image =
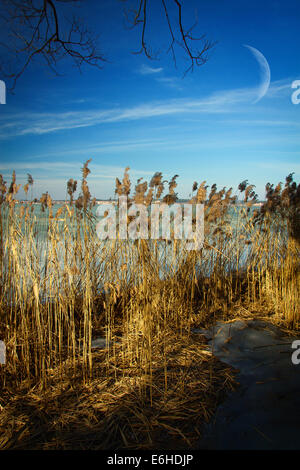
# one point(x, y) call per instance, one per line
point(116, 410)
point(61, 286)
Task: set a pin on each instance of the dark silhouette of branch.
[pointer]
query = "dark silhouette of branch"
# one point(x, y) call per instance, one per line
point(38, 28)
point(182, 37)
point(41, 31)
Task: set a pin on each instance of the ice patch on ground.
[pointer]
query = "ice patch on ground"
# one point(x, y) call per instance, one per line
point(264, 412)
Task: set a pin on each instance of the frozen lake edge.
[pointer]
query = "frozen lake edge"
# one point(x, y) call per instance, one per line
point(264, 411)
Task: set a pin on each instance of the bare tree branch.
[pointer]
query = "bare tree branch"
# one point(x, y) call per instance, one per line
point(182, 37)
point(38, 28)
point(37, 31)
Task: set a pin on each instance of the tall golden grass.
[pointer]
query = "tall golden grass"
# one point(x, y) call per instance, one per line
point(60, 290)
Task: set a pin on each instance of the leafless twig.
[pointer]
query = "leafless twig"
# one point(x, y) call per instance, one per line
point(179, 35)
point(39, 29)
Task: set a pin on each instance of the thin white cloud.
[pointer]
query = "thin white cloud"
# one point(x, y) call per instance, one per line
point(38, 124)
point(171, 82)
point(261, 122)
point(63, 169)
point(146, 70)
point(52, 176)
point(283, 167)
point(280, 87)
point(57, 162)
point(228, 101)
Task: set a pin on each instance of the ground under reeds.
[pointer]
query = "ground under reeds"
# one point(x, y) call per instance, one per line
point(123, 407)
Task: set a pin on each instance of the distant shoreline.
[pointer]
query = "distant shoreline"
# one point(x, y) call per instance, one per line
point(113, 201)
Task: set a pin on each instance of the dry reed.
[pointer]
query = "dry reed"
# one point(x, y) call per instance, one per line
point(61, 286)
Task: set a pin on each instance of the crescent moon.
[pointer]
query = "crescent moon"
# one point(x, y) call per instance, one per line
point(265, 72)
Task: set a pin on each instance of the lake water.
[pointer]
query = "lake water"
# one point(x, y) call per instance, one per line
point(65, 235)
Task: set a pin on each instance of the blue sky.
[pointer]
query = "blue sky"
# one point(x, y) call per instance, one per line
point(145, 115)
